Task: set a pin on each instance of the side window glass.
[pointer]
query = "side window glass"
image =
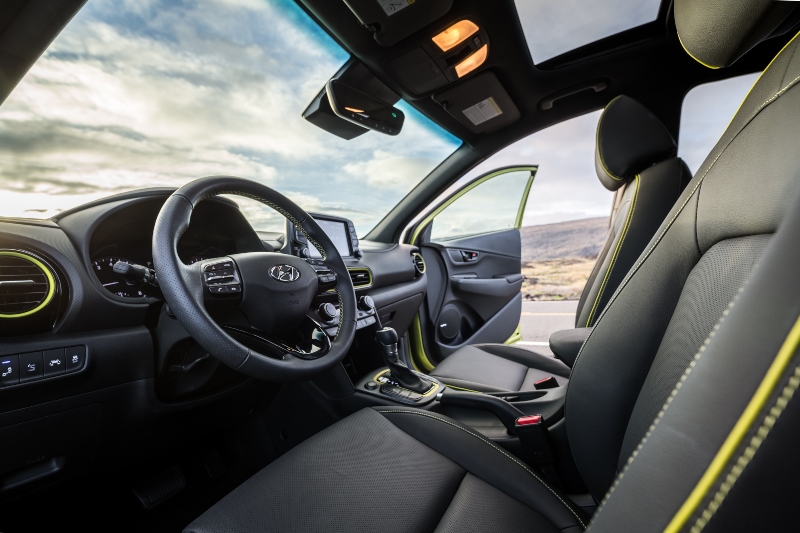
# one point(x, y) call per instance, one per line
point(707, 110)
point(495, 203)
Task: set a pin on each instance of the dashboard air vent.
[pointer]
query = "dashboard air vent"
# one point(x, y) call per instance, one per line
point(361, 277)
point(419, 263)
point(26, 285)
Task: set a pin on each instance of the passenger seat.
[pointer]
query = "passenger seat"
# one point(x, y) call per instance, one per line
point(635, 157)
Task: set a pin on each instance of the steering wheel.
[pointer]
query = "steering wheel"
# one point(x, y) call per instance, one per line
point(273, 291)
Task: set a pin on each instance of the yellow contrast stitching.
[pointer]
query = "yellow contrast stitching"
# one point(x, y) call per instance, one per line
point(765, 389)
point(616, 253)
point(667, 403)
point(484, 440)
point(744, 459)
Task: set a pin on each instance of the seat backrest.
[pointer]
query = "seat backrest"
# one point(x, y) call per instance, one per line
point(668, 304)
point(634, 156)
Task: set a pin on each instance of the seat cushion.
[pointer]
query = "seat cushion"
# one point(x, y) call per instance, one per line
point(394, 470)
point(499, 368)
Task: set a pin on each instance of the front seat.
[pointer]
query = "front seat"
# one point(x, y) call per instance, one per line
point(686, 400)
point(634, 156)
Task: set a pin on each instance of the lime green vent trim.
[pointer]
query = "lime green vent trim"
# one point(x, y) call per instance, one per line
point(51, 283)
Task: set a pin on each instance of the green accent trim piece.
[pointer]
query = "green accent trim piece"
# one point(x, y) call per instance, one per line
point(51, 283)
point(516, 336)
point(368, 285)
point(424, 264)
point(458, 194)
point(693, 57)
point(418, 356)
point(524, 202)
point(743, 427)
point(616, 253)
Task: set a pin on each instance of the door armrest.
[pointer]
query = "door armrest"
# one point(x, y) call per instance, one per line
point(567, 343)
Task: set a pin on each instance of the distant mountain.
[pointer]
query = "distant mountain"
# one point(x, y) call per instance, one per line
point(575, 238)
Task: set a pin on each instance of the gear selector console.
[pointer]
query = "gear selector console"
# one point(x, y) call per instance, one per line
point(398, 382)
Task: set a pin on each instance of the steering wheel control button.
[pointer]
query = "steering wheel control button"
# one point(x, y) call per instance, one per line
point(9, 370)
point(221, 278)
point(54, 362)
point(75, 357)
point(30, 367)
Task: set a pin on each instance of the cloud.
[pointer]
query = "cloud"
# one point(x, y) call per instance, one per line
point(707, 111)
point(566, 186)
point(156, 93)
point(552, 28)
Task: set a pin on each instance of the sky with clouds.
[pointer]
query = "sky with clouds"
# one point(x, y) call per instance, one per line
point(143, 93)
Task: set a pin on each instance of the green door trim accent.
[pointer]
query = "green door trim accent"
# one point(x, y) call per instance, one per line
point(516, 336)
point(419, 359)
point(482, 179)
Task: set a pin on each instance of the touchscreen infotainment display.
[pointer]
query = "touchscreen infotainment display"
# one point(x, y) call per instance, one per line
point(337, 231)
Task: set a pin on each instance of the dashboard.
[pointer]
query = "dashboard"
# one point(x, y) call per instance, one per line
point(130, 364)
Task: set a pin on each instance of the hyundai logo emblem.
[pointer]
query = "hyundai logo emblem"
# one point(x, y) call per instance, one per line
point(285, 273)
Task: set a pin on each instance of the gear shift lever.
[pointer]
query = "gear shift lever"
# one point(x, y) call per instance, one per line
point(387, 339)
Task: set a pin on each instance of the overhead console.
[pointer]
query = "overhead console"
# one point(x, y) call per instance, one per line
point(451, 54)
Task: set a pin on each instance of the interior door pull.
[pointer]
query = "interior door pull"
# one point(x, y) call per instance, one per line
point(468, 256)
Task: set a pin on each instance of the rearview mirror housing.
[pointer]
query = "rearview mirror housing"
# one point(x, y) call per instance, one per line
point(362, 109)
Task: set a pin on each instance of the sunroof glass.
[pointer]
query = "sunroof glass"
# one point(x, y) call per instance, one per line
point(553, 27)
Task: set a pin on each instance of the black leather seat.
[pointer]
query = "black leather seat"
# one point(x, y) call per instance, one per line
point(634, 156)
point(687, 421)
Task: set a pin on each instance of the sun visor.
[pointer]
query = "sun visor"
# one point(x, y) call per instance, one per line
point(391, 21)
point(481, 104)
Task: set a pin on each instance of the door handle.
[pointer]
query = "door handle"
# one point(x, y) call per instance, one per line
point(503, 287)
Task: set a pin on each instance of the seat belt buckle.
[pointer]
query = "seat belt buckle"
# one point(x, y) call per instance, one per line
point(533, 436)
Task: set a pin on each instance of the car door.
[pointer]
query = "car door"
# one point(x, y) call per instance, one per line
point(471, 247)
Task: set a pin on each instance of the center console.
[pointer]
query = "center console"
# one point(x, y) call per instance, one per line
point(342, 232)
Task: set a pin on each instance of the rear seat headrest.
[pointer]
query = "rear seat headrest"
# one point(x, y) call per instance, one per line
point(717, 33)
point(629, 139)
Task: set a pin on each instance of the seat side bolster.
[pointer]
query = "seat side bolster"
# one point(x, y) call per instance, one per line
point(487, 461)
point(657, 190)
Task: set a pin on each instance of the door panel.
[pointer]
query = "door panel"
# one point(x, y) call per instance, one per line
point(471, 244)
point(478, 284)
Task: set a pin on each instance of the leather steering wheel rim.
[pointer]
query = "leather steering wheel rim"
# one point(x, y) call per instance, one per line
point(183, 290)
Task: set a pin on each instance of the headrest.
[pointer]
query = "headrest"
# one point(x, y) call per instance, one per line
point(629, 139)
point(717, 33)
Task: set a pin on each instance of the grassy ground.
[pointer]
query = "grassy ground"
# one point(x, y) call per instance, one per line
point(555, 279)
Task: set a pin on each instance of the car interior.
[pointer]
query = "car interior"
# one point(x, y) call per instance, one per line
point(167, 366)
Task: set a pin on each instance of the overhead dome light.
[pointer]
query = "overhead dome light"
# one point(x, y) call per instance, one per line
point(473, 61)
point(455, 35)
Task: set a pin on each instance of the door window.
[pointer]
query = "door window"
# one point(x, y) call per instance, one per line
point(491, 204)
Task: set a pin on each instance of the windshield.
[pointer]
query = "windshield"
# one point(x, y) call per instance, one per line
point(157, 93)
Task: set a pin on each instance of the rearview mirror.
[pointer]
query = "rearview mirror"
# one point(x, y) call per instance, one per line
point(364, 110)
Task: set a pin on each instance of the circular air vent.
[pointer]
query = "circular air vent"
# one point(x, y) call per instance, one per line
point(26, 285)
point(419, 263)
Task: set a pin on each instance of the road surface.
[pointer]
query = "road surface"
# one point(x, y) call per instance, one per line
point(540, 319)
